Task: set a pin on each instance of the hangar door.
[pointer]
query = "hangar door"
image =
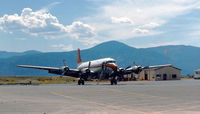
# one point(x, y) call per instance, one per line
point(164, 76)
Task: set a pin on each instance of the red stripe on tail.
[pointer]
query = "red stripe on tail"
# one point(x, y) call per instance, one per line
point(79, 57)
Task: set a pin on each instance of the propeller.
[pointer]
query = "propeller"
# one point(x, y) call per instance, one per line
point(133, 69)
point(64, 62)
point(120, 73)
point(128, 67)
point(66, 68)
point(103, 66)
point(88, 70)
point(136, 64)
point(139, 67)
point(89, 64)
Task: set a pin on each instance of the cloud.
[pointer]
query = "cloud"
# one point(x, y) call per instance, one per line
point(140, 31)
point(121, 20)
point(20, 38)
point(48, 7)
point(112, 20)
point(147, 16)
point(35, 23)
point(80, 30)
point(42, 23)
point(151, 25)
point(63, 47)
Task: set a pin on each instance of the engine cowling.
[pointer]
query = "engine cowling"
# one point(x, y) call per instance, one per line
point(87, 71)
point(65, 69)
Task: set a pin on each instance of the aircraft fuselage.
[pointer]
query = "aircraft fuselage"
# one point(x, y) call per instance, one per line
point(96, 65)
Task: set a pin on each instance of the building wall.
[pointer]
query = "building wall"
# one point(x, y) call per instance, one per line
point(150, 75)
point(168, 73)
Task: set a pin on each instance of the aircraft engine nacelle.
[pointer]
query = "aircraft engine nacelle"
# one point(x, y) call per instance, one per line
point(138, 70)
point(133, 69)
point(87, 71)
point(65, 69)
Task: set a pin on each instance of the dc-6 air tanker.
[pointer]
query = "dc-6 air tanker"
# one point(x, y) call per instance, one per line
point(100, 69)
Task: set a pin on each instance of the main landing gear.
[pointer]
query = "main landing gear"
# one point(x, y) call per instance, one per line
point(113, 82)
point(81, 82)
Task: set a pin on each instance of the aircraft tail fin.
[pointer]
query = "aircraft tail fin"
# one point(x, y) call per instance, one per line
point(79, 56)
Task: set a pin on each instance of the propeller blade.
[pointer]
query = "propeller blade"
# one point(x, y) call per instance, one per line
point(100, 77)
point(134, 63)
point(89, 64)
point(128, 67)
point(103, 66)
point(102, 72)
point(64, 62)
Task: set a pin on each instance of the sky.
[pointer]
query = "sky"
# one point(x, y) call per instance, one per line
point(65, 25)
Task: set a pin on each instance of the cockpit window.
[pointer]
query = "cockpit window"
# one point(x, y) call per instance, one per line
point(111, 62)
point(197, 72)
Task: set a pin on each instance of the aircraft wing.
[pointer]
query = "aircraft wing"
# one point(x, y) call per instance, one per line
point(54, 70)
point(39, 67)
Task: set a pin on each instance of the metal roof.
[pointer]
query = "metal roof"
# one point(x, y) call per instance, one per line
point(156, 67)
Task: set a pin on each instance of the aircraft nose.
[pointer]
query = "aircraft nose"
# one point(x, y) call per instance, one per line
point(112, 65)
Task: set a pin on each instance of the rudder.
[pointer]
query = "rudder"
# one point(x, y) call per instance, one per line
point(79, 56)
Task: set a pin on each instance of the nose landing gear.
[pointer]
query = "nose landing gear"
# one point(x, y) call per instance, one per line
point(81, 82)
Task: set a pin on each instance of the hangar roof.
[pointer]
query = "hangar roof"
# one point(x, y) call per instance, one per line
point(156, 67)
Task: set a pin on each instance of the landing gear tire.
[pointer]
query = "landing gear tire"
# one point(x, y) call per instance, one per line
point(81, 82)
point(113, 82)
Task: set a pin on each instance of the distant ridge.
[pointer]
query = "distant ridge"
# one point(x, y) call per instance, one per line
point(111, 45)
point(5, 54)
point(183, 57)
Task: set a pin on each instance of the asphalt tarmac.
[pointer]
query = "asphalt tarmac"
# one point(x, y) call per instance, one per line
point(182, 96)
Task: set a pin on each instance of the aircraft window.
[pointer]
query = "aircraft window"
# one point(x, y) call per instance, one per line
point(111, 62)
point(197, 72)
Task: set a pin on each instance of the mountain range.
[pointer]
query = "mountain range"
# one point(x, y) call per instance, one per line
point(183, 57)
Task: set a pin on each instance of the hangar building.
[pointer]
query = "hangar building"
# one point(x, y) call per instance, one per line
point(160, 72)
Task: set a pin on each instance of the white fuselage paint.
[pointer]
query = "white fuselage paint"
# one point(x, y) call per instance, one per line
point(95, 65)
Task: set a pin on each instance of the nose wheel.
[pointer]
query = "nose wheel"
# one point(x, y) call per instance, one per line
point(81, 82)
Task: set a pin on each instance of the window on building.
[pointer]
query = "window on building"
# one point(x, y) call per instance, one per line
point(158, 75)
point(174, 76)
